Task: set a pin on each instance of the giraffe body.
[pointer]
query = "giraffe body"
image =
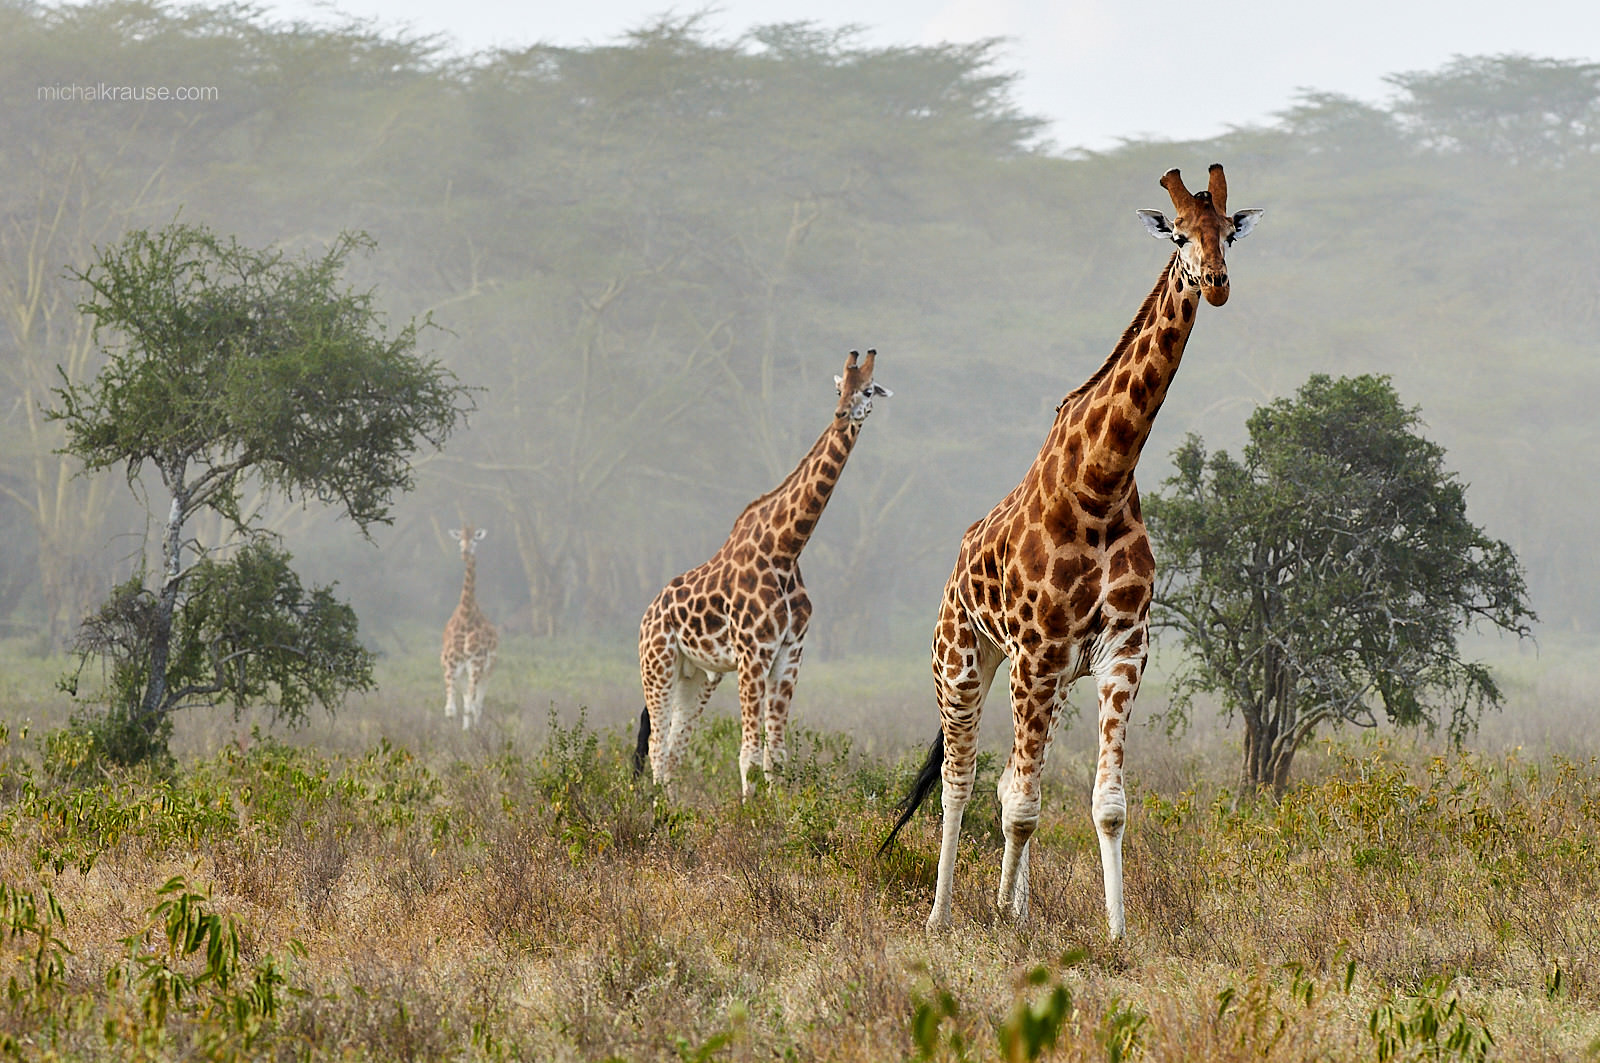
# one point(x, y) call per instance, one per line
point(470, 641)
point(745, 610)
point(1058, 577)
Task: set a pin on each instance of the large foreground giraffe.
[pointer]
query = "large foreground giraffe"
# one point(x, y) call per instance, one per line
point(1058, 576)
point(470, 640)
point(745, 609)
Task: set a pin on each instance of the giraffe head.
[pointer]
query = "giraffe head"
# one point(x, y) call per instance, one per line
point(1203, 230)
point(468, 538)
point(856, 388)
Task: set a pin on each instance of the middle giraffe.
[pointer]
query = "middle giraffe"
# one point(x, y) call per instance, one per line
point(746, 609)
point(1058, 576)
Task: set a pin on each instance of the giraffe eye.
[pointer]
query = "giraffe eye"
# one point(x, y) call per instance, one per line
point(1179, 239)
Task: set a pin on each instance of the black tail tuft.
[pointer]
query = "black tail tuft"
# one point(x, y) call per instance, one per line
point(641, 752)
point(926, 778)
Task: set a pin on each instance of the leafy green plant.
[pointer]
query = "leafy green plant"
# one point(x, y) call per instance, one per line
point(1122, 1031)
point(1427, 1026)
point(198, 973)
point(928, 1033)
point(592, 797)
point(1034, 1026)
point(24, 916)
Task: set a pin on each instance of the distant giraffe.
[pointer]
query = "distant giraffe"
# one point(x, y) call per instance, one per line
point(746, 609)
point(470, 641)
point(1058, 576)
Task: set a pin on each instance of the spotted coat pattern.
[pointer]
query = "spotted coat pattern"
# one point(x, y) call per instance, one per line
point(470, 641)
point(746, 609)
point(1057, 578)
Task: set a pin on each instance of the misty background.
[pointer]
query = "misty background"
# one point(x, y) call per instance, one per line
point(653, 254)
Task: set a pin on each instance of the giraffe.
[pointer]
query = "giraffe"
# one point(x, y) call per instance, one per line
point(746, 610)
point(470, 641)
point(1058, 576)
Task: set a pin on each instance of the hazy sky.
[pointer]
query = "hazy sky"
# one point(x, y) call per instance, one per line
point(1100, 70)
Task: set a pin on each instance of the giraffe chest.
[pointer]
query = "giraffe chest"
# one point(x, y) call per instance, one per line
point(1039, 596)
point(469, 635)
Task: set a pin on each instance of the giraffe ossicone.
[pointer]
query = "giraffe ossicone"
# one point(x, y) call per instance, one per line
point(1058, 576)
point(470, 641)
point(746, 610)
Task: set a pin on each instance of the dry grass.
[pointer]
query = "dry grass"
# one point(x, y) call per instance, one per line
point(515, 896)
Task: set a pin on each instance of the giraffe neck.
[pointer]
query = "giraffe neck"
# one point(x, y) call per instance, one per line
point(469, 584)
point(790, 510)
point(1101, 428)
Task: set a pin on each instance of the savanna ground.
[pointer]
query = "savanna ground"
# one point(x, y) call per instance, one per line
point(382, 887)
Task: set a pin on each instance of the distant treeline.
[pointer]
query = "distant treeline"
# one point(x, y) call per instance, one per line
point(652, 256)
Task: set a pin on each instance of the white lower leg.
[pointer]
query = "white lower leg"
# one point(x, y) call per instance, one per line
point(943, 895)
point(1018, 823)
point(671, 750)
point(747, 757)
point(1110, 817)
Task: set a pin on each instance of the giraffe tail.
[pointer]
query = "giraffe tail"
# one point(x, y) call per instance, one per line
point(641, 750)
point(926, 778)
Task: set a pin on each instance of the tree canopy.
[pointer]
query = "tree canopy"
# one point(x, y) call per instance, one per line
point(1323, 577)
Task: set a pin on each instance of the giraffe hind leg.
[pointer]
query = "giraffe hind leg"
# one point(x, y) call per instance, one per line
point(964, 664)
point(691, 690)
point(657, 678)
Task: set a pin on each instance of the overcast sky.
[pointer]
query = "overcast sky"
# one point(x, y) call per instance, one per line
point(1099, 70)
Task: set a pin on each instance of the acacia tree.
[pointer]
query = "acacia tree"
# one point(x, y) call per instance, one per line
point(1325, 577)
point(227, 364)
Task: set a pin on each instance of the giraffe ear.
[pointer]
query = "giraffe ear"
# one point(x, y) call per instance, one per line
point(838, 383)
point(1156, 222)
point(879, 391)
point(1244, 221)
point(455, 533)
point(478, 535)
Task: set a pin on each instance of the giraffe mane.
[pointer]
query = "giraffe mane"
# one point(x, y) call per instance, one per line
point(1129, 335)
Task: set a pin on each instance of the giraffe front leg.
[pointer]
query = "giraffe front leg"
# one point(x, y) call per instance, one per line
point(1015, 892)
point(480, 684)
point(472, 705)
point(1033, 700)
point(451, 670)
point(1117, 673)
point(780, 692)
point(754, 681)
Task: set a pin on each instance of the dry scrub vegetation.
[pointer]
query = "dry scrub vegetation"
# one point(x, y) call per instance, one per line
point(528, 901)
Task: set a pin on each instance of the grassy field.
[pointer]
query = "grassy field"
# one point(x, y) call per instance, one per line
point(383, 887)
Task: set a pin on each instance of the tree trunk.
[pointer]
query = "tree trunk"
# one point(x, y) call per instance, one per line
point(1281, 760)
point(154, 706)
point(1257, 747)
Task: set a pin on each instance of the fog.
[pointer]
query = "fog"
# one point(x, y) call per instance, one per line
point(652, 257)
